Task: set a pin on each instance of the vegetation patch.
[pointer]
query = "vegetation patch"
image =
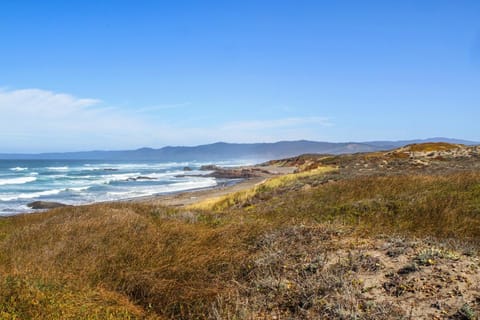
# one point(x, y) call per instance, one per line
point(430, 256)
point(269, 185)
point(358, 237)
point(25, 298)
point(432, 146)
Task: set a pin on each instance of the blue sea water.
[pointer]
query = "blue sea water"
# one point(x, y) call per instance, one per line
point(81, 182)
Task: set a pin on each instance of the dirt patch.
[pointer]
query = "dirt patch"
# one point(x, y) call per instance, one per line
point(319, 272)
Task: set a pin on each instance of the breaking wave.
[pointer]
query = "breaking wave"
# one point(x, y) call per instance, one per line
point(20, 180)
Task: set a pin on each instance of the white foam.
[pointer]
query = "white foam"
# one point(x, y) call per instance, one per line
point(162, 175)
point(57, 168)
point(31, 195)
point(106, 179)
point(196, 173)
point(78, 189)
point(9, 211)
point(99, 169)
point(20, 180)
point(18, 169)
point(194, 184)
point(174, 187)
point(130, 166)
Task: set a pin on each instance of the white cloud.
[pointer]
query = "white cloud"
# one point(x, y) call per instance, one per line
point(34, 120)
point(41, 102)
point(37, 120)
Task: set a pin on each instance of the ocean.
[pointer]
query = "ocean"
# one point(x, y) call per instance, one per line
point(83, 182)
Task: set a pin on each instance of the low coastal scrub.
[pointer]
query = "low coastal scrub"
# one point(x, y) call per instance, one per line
point(424, 206)
point(434, 146)
point(309, 245)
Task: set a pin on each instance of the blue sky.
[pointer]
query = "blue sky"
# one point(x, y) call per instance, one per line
point(125, 74)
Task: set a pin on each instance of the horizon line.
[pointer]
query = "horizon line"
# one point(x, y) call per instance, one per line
point(419, 140)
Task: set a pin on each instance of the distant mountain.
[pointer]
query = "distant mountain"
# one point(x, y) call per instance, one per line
point(227, 151)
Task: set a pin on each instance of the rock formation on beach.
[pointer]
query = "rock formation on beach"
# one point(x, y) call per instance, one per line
point(46, 205)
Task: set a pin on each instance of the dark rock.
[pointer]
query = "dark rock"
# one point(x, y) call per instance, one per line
point(46, 205)
point(209, 167)
point(110, 169)
point(187, 169)
point(232, 173)
point(140, 178)
point(145, 178)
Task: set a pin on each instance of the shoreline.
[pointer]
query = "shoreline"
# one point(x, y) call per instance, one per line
point(187, 197)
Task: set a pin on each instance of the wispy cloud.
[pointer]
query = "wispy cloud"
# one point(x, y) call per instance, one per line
point(39, 118)
point(41, 102)
point(35, 120)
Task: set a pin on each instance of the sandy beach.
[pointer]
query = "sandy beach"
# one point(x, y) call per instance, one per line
point(193, 196)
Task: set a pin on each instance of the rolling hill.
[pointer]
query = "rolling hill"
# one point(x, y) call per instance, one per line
point(228, 151)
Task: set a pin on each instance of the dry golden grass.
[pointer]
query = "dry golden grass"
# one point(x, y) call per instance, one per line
point(128, 261)
point(32, 298)
point(147, 255)
point(421, 205)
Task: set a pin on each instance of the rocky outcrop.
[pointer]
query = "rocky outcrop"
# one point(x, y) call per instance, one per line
point(46, 205)
point(209, 167)
point(232, 174)
point(238, 173)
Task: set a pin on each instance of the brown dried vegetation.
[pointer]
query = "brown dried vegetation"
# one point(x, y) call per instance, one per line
point(380, 238)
